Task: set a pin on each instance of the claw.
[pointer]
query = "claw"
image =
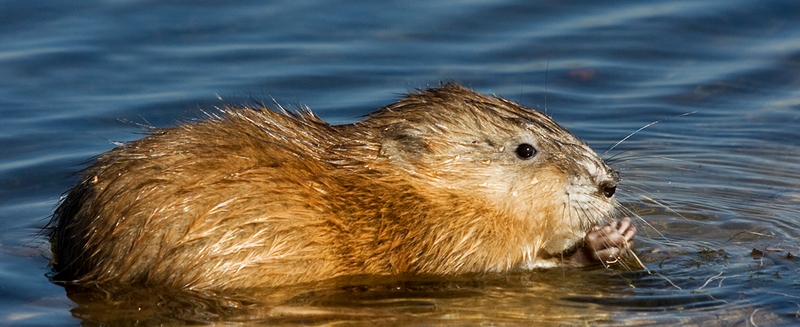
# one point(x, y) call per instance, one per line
point(607, 243)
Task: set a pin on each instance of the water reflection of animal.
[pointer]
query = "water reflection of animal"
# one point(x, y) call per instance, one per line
point(445, 181)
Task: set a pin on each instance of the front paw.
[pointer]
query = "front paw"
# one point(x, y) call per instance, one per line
point(606, 244)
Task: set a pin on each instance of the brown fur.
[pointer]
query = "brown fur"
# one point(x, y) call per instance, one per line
point(254, 197)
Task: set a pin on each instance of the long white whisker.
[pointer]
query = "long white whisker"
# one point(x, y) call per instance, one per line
point(642, 128)
point(663, 205)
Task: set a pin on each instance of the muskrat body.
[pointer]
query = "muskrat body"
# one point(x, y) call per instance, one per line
point(445, 181)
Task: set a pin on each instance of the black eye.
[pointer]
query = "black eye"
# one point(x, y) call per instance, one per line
point(525, 151)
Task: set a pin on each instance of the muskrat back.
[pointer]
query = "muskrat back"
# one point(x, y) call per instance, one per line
point(445, 181)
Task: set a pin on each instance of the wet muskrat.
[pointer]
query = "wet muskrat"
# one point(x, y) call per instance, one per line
point(445, 181)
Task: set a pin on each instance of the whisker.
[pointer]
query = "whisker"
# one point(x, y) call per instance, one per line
point(646, 223)
point(617, 160)
point(612, 158)
point(663, 205)
point(642, 177)
point(642, 128)
point(642, 192)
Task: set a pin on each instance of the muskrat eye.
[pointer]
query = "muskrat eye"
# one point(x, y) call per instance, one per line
point(525, 151)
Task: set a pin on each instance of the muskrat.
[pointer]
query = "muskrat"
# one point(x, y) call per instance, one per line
point(445, 181)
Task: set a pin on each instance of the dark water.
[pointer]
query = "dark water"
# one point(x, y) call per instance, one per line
point(717, 191)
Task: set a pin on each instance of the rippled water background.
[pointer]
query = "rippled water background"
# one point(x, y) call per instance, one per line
point(717, 191)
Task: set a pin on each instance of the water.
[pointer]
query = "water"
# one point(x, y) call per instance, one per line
point(717, 190)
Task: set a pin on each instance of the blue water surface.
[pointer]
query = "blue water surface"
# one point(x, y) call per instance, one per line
point(717, 190)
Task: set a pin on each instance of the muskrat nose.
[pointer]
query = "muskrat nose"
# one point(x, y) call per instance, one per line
point(608, 188)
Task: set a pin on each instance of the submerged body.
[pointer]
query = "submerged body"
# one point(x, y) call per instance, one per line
point(445, 181)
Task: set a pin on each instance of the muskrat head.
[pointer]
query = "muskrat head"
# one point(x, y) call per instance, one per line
point(533, 173)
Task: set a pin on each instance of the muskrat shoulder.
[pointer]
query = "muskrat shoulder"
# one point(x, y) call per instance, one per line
point(445, 181)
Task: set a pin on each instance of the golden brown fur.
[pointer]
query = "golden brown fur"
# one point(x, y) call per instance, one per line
point(253, 197)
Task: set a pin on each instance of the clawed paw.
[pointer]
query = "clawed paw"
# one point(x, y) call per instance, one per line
point(607, 243)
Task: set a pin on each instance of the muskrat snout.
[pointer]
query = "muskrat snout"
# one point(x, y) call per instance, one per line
point(608, 188)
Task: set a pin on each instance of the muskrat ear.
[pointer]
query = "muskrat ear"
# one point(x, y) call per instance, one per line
point(402, 141)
